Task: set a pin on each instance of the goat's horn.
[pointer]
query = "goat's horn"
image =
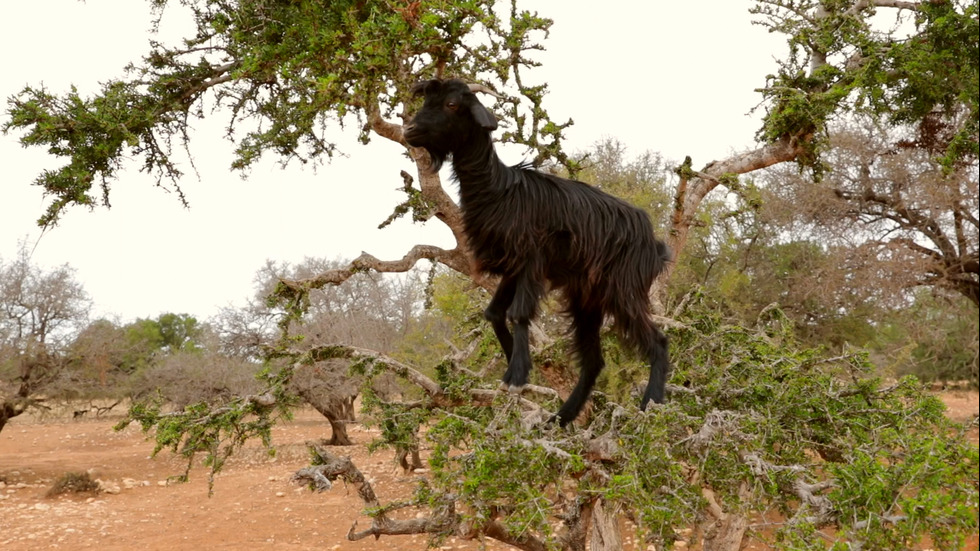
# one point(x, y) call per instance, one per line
point(481, 88)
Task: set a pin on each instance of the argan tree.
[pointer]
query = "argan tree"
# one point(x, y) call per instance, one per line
point(758, 426)
point(888, 200)
point(370, 310)
point(283, 73)
point(39, 311)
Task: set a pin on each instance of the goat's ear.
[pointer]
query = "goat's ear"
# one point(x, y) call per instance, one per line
point(482, 115)
point(422, 86)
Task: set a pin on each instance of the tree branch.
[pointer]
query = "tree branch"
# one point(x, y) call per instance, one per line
point(694, 186)
point(453, 258)
point(437, 396)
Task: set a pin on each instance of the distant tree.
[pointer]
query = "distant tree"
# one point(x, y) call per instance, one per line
point(184, 378)
point(150, 340)
point(99, 349)
point(96, 358)
point(39, 312)
point(368, 310)
point(933, 338)
point(179, 332)
point(907, 65)
point(887, 201)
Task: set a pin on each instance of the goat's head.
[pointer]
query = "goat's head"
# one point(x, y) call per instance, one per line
point(449, 117)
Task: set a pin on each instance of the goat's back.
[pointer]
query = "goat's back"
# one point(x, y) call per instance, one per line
point(594, 245)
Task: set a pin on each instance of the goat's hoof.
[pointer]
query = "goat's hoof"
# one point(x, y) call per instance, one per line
point(555, 421)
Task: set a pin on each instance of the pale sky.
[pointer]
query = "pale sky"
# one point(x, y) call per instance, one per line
point(676, 78)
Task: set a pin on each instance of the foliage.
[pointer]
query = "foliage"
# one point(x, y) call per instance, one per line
point(935, 339)
point(148, 341)
point(898, 217)
point(181, 379)
point(218, 432)
point(918, 68)
point(640, 178)
point(202, 401)
point(755, 426)
point(285, 73)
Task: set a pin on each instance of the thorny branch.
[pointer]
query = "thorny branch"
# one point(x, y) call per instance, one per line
point(436, 396)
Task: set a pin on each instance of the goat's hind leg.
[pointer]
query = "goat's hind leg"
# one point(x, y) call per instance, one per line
point(644, 335)
point(656, 349)
point(588, 346)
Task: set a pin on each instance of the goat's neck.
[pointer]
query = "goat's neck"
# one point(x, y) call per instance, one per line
point(479, 171)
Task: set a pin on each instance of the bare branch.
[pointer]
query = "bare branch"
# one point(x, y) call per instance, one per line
point(354, 353)
point(694, 186)
point(366, 261)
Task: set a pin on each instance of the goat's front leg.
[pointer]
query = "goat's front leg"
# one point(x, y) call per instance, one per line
point(527, 293)
point(496, 313)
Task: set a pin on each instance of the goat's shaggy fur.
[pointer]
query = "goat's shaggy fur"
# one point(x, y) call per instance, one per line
point(532, 229)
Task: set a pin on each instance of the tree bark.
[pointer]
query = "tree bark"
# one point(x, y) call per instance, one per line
point(722, 531)
point(408, 458)
point(605, 529)
point(338, 411)
point(726, 534)
point(339, 436)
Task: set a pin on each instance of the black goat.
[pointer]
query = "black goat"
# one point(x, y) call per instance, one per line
point(532, 228)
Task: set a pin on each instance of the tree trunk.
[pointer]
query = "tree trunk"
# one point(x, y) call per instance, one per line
point(723, 531)
point(14, 406)
point(725, 534)
point(408, 458)
point(339, 436)
point(605, 529)
point(338, 411)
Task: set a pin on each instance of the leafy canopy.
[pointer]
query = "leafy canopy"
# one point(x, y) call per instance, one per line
point(909, 63)
point(283, 73)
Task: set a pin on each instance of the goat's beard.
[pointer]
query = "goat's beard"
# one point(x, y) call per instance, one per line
point(436, 160)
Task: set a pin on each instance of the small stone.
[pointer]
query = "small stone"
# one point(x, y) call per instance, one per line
point(107, 487)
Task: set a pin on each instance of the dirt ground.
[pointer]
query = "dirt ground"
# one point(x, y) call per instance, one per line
point(254, 505)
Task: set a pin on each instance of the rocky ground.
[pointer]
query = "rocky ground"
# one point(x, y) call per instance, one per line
point(254, 504)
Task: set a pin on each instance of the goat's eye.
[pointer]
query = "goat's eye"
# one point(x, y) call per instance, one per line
point(452, 105)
